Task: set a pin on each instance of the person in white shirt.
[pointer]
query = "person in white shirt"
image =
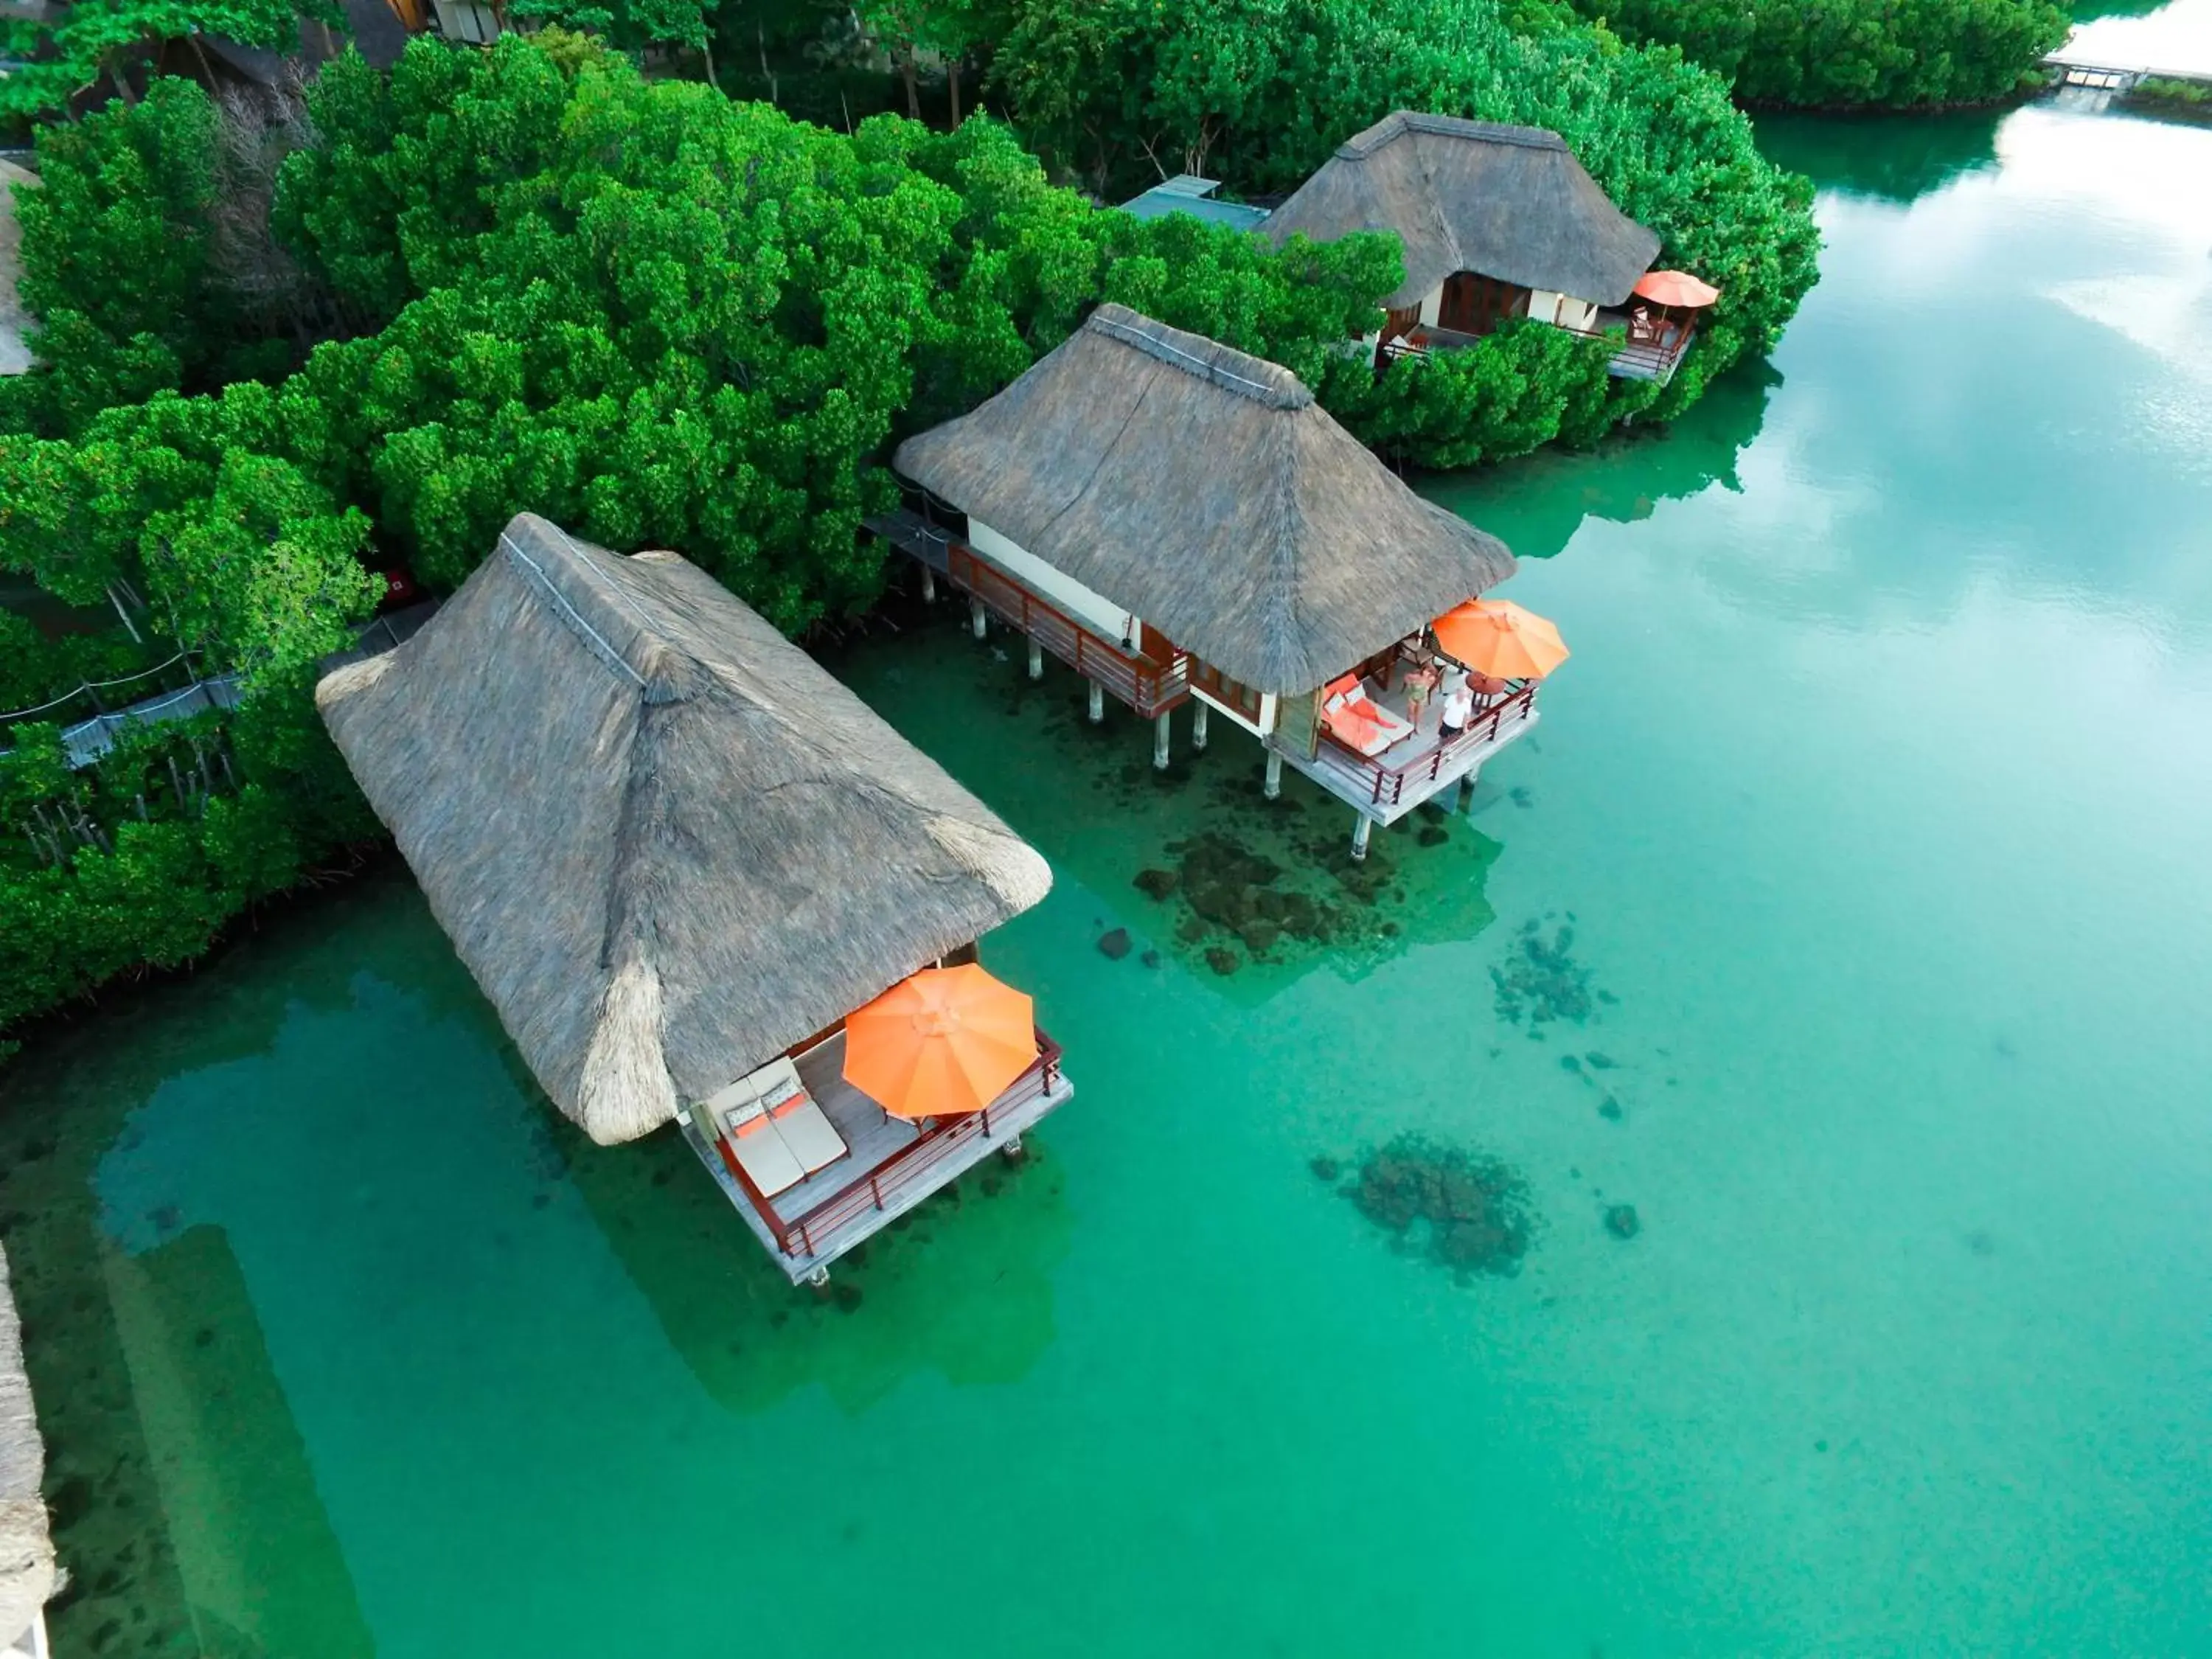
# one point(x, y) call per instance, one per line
point(1458, 704)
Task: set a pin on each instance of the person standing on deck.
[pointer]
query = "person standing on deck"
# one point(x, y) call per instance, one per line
point(1421, 682)
point(1459, 703)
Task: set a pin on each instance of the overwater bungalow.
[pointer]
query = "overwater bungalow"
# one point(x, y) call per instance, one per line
point(28, 1577)
point(1497, 221)
point(701, 882)
point(1181, 522)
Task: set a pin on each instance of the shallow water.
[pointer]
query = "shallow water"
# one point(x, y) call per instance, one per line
point(2177, 37)
point(1874, 805)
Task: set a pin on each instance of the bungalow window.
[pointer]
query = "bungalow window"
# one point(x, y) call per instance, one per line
point(1233, 695)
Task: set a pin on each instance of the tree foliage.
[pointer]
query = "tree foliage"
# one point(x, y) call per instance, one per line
point(1260, 92)
point(1831, 54)
point(66, 51)
point(544, 282)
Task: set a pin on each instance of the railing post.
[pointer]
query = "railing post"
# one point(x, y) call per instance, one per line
point(875, 1192)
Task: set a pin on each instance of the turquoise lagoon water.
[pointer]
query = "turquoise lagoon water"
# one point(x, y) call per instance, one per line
point(1876, 804)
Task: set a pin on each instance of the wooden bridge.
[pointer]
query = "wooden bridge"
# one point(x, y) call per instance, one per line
point(2107, 78)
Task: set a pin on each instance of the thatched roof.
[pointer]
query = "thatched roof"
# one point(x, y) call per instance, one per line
point(15, 354)
point(28, 1577)
point(1205, 490)
point(668, 845)
point(1511, 203)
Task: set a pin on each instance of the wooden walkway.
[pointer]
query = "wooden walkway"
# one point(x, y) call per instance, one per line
point(2113, 78)
point(86, 741)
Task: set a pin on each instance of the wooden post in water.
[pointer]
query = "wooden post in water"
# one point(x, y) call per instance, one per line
point(976, 617)
point(1036, 660)
point(1197, 711)
point(1163, 737)
point(1361, 829)
point(1274, 786)
point(1097, 703)
point(928, 586)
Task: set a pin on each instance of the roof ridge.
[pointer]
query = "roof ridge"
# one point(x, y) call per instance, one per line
point(1201, 359)
point(593, 608)
point(1398, 123)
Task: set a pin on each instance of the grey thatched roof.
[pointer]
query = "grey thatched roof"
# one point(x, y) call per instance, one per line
point(668, 845)
point(1510, 203)
point(1205, 490)
point(28, 1577)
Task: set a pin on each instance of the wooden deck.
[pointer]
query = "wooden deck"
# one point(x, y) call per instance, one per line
point(1418, 767)
point(1654, 358)
point(1150, 688)
point(891, 1166)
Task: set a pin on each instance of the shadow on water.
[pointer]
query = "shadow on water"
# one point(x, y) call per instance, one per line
point(962, 1285)
point(345, 1052)
point(1891, 158)
point(1249, 894)
point(1536, 504)
point(184, 1507)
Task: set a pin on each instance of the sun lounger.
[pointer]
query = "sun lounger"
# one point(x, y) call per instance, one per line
point(1357, 721)
point(767, 1161)
point(778, 1133)
point(807, 1131)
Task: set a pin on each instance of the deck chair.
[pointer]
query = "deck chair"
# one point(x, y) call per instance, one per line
point(798, 1119)
point(1357, 721)
point(770, 1117)
point(761, 1151)
point(807, 1131)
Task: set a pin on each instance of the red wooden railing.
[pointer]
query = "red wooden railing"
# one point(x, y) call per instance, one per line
point(1148, 687)
point(1654, 352)
point(1386, 785)
point(889, 1180)
point(1657, 357)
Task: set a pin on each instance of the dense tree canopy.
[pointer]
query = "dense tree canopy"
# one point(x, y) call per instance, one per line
point(277, 350)
point(1847, 53)
point(89, 42)
point(1259, 92)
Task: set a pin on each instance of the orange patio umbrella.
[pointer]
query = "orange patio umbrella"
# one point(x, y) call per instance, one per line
point(1497, 638)
point(1676, 288)
point(945, 1041)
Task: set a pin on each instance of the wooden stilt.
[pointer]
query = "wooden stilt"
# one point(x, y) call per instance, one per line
point(1274, 786)
point(1361, 829)
point(1162, 739)
point(1097, 703)
point(1466, 790)
point(1036, 660)
point(1198, 713)
point(928, 586)
point(977, 619)
point(819, 1278)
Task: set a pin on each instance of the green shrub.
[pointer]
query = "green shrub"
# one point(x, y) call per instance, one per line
point(1832, 54)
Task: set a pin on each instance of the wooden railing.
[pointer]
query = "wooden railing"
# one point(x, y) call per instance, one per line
point(1386, 785)
point(1148, 687)
point(889, 1180)
point(1652, 358)
point(1654, 354)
